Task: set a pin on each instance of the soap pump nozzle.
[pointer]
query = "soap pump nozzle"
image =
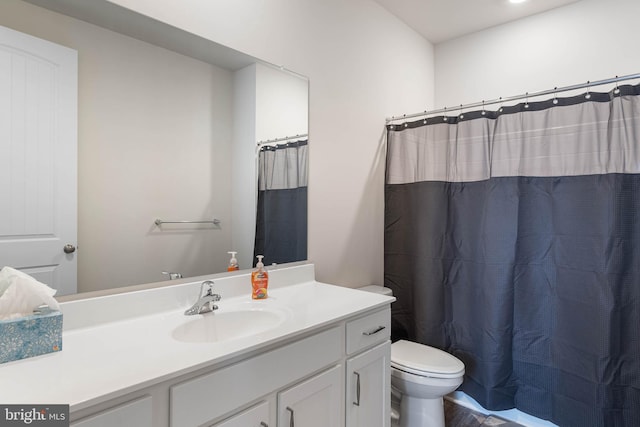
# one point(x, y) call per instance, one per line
point(259, 264)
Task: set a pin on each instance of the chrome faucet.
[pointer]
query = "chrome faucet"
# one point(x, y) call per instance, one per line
point(172, 276)
point(205, 303)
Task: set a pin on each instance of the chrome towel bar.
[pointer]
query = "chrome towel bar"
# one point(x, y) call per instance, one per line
point(214, 221)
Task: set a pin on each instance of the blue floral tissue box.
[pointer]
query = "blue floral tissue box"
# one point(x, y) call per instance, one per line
point(30, 336)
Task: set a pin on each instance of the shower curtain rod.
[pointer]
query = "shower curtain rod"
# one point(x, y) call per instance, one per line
point(515, 98)
point(287, 138)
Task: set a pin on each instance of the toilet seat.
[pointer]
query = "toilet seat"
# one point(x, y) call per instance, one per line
point(422, 360)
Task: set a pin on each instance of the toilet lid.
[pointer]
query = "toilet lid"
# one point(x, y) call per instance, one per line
point(423, 360)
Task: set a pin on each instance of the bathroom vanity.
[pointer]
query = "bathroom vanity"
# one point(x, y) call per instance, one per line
point(312, 354)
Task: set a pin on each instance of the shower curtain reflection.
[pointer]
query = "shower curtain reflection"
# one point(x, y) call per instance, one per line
point(281, 220)
point(512, 240)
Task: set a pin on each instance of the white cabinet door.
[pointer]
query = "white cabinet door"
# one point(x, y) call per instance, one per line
point(316, 402)
point(256, 416)
point(369, 388)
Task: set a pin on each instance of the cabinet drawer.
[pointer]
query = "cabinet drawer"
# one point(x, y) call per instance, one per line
point(210, 396)
point(368, 330)
point(134, 414)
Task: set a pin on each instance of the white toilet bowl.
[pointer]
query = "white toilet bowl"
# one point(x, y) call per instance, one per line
point(423, 375)
point(420, 377)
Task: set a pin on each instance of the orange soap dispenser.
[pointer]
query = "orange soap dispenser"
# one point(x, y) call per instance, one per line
point(233, 262)
point(259, 280)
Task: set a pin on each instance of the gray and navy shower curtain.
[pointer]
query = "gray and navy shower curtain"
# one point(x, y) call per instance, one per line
point(281, 220)
point(512, 241)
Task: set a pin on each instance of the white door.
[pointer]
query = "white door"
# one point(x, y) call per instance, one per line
point(38, 158)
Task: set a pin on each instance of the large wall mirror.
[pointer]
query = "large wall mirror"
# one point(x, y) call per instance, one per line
point(168, 124)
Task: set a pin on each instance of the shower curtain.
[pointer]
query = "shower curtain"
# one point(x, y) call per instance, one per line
point(281, 220)
point(512, 241)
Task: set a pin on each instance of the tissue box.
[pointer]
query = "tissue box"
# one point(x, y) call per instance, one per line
point(30, 336)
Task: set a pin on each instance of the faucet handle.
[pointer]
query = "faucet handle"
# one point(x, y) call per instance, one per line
point(209, 284)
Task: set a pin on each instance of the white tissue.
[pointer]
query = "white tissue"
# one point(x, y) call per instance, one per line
point(20, 294)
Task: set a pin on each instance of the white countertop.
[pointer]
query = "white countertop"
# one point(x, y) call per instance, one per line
point(113, 357)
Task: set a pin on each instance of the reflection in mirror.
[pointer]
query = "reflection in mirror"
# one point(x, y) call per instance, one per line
point(167, 130)
point(281, 223)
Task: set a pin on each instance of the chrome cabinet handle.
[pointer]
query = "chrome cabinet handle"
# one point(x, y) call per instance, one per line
point(357, 402)
point(291, 421)
point(375, 331)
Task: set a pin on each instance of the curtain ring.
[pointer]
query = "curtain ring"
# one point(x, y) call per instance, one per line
point(483, 110)
point(588, 95)
point(501, 105)
point(461, 115)
point(616, 91)
point(526, 100)
point(555, 95)
point(445, 118)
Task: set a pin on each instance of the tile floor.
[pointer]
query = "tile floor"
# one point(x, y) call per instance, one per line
point(459, 416)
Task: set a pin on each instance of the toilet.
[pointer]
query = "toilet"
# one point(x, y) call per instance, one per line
point(423, 375)
point(420, 376)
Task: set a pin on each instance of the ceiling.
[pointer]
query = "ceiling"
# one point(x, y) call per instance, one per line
point(441, 20)
point(124, 21)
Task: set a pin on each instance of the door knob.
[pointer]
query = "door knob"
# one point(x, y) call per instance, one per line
point(69, 249)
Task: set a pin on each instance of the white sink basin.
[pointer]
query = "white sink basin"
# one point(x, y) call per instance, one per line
point(223, 325)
